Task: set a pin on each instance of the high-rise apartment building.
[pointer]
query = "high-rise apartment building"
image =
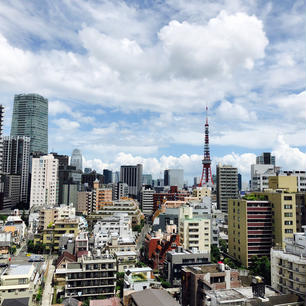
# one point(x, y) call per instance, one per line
point(44, 181)
point(227, 185)
point(103, 196)
point(30, 118)
point(249, 229)
point(174, 177)
point(1, 130)
point(259, 221)
point(132, 175)
point(86, 202)
point(266, 158)
point(107, 176)
point(16, 155)
point(77, 159)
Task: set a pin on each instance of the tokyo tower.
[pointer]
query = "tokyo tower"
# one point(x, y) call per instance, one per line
point(206, 161)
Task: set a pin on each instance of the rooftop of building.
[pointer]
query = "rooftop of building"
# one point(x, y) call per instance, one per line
point(16, 302)
point(82, 236)
point(239, 294)
point(15, 270)
point(207, 268)
point(139, 270)
point(114, 301)
point(181, 251)
point(285, 299)
point(126, 253)
point(149, 297)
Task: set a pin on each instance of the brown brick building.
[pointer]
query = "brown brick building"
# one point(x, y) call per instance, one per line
point(198, 279)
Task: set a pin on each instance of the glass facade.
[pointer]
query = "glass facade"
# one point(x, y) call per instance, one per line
point(30, 118)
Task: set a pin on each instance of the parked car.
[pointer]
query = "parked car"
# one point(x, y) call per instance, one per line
point(36, 258)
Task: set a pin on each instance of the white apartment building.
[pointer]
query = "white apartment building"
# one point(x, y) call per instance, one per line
point(146, 199)
point(44, 181)
point(194, 231)
point(120, 224)
point(288, 267)
point(260, 174)
point(19, 281)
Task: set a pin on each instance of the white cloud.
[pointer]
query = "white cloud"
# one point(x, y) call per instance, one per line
point(289, 158)
point(66, 125)
point(293, 104)
point(232, 111)
point(58, 107)
point(219, 48)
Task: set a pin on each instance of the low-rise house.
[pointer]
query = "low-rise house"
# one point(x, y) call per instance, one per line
point(138, 279)
point(81, 242)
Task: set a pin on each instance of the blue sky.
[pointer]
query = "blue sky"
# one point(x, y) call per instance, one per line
point(128, 81)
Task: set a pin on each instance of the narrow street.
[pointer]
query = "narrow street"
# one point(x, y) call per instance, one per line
point(48, 291)
point(142, 235)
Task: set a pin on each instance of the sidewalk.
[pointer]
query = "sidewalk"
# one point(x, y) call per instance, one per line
point(48, 290)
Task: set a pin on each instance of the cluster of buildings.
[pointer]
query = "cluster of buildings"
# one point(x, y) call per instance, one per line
point(124, 238)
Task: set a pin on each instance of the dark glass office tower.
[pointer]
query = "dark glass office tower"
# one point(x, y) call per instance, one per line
point(30, 118)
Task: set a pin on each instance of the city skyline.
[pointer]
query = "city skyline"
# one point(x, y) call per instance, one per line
point(128, 83)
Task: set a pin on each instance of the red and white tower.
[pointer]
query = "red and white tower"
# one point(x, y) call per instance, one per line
point(206, 172)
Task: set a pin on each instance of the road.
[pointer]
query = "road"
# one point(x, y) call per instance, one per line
point(48, 290)
point(146, 228)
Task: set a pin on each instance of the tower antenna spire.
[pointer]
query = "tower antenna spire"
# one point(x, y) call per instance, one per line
point(206, 161)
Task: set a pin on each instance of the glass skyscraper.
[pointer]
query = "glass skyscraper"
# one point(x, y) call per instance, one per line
point(30, 118)
point(77, 159)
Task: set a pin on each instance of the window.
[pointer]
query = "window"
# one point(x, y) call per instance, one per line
point(288, 206)
point(288, 222)
point(288, 214)
point(288, 231)
point(288, 198)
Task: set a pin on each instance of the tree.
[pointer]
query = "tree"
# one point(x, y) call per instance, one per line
point(223, 245)
point(120, 283)
point(261, 267)
point(214, 253)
